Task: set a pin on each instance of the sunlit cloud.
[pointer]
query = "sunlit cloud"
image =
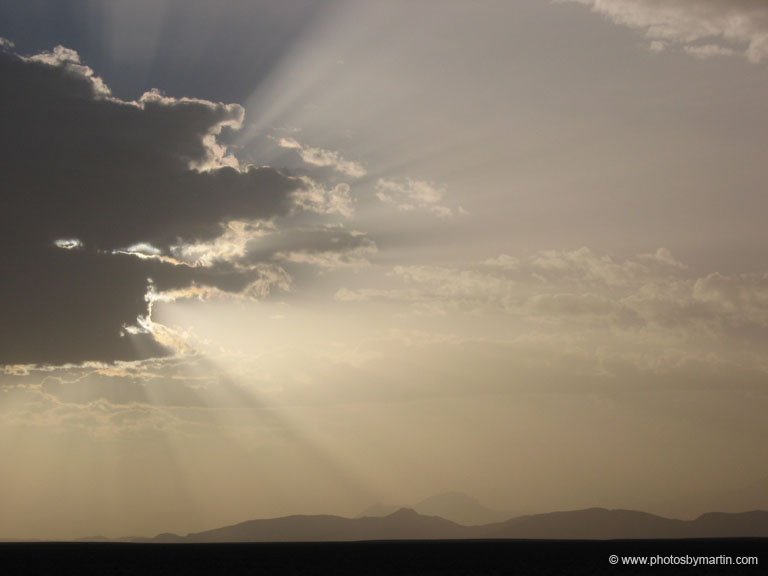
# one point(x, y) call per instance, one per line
point(411, 195)
point(353, 257)
point(504, 261)
point(323, 158)
point(215, 154)
point(68, 243)
point(230, 246)
point(269, 278)
point(70, 60)
point(652, 300)
point(703, 28)
point(663, 256)
point(144, 251)
point(314, 197)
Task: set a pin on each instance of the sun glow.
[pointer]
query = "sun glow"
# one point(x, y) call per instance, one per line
point(304, 257)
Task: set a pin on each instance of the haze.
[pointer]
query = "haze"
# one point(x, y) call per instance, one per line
point(266, 258)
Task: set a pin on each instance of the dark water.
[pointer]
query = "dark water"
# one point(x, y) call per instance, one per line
point(377, 558)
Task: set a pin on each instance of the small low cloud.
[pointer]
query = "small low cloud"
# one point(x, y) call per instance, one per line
point(68, 243)
point(663, 256)
point(408, 195)
point(324, 158)
point(314, 197)
point(355, 256)
point(503, 261)
point(327, 247)
point(705, 51)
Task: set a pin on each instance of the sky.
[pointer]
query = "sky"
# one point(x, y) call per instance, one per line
point(267, 258)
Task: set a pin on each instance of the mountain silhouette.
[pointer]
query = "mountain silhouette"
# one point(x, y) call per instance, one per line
point(404, 524)
point(454, 506)
point(751, 497)
point(603, 524)
point(725, 525)
point(407, 524)
point(591, 524)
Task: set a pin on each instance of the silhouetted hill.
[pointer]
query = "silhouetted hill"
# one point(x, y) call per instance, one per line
point(602, 524)
point(751, 497)
point(93, 539)
point(454, 506)
point(460, 508)
point(407, 524)
point(593, 523)
point(724, 525)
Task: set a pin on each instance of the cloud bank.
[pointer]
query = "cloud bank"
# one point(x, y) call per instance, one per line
point(649, 311)
point(703, 28)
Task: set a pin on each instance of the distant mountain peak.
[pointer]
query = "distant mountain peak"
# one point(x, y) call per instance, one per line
point(404, 513)
point(454, 506)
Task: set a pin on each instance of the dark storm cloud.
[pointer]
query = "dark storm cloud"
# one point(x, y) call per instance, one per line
point(79, 164)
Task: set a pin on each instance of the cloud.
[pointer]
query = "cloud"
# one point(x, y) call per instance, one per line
point(324, 158)
point(703, 28)
point(353, 257)
point(705, 51)
point(316, 198)
point(437, 289)
point(663, 256)
point(269, 277)
point(584, 265)
point(504, 261)
point(68, 243)
point(412, 194)
point(246, 247)
point(230, 246)
point(68, 59)
point(322, 246)
point(247, 250)
point(101, 194)
point(137, 399)
point(650, 309)
point(741, 299)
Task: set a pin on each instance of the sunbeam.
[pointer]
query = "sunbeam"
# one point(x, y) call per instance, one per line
point(235, 391)
point(265, 258)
